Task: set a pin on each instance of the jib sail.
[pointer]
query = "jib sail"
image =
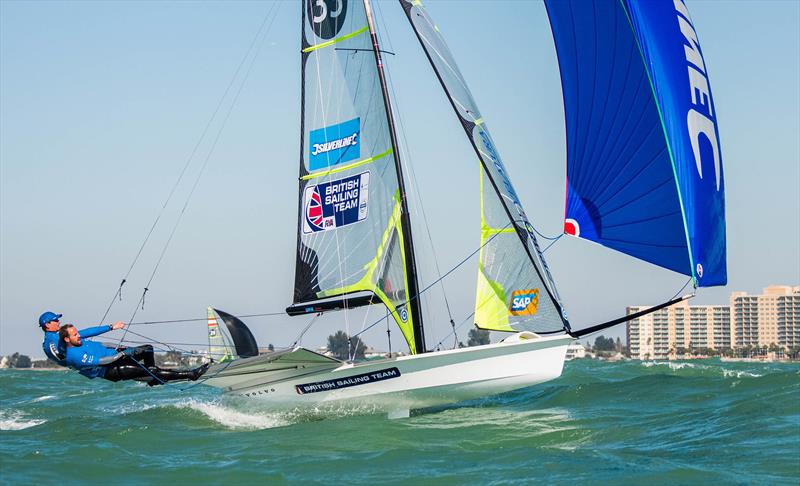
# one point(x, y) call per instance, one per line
point(353, 237)
point(514, 290)
point(644, 167)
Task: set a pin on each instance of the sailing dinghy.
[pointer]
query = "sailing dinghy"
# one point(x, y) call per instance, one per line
point(644, 178)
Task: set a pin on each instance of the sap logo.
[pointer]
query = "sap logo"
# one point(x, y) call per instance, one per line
point(524, 302)
point(700, 118)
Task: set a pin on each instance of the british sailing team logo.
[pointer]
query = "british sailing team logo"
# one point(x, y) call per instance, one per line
point(524, 302)
point(334, 204)
point(326, 17)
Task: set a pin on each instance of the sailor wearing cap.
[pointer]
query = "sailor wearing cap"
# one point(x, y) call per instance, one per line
point(54, 348)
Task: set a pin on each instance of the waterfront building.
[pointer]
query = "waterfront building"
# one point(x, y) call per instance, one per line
point(678, 329)
point(575, 351)
point(772, 317)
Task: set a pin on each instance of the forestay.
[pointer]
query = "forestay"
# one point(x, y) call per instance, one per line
point(644, 167)
point(512, 293)
point(350, 235)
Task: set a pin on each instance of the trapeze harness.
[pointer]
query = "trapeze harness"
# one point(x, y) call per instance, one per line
point(94, 360)
point(127, 368)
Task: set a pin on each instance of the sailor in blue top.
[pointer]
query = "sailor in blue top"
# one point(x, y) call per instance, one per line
point(53, 347)
point(93, 360)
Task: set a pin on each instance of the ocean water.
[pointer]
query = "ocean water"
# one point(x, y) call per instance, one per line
point(624, 423)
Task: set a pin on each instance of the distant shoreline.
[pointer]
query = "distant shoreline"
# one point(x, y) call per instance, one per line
point(34, 369)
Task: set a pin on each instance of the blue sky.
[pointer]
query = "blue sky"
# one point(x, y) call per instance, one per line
point(102, 103)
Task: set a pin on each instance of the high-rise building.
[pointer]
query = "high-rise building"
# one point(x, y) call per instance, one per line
point(678, 329)
point(770, 318)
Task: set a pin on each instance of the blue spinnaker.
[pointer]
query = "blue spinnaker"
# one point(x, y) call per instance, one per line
point(644, 166)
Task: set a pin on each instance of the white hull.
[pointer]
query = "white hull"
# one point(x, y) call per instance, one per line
point(303, 380)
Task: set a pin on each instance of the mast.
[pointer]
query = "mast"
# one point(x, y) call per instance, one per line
point(405, 222)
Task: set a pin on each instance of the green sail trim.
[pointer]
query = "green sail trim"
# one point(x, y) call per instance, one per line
point(490, 302)
point(336, 40)
point(343, 168)
point(370, 282)
point(490, 305)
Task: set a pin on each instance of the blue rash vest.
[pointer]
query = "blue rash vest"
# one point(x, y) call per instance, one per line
point(54, 348)
point(86, 358)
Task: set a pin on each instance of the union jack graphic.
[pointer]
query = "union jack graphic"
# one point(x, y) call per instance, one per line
point(314, 215)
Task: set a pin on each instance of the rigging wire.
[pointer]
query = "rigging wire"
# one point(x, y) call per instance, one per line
point(389, 332)
point(172, 347)
point(551, 238)
point(691, 279)
point(605, 325)
point(305, 329)
point(466, 319)
point(273, 9)
point(171, 321)
point(408, 158)
point(463, 261)
point(551, 243)
point(313, 320)
point(186, 165)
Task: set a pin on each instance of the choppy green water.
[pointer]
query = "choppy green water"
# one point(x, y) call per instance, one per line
point(629, 422)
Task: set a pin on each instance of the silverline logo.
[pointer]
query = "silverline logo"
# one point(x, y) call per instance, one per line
point(321, 148)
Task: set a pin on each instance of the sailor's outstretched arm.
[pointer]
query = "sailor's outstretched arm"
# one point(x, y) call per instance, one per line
point(98, 330)
point(110, 359)
point(86, 360)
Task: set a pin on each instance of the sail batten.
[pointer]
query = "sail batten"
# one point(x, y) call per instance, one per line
point(354, 241)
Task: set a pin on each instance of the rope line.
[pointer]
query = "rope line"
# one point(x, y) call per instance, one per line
point(466, 319)
point(305, 329)
point(209, 153)
point(409, 159)
point(682, 288)
point(172, 347)
point(551, 238)
point(186, 165)
point(308, 326)
point(463, 261)
point(147, 370)
point(552, 243)
point(175, 321)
